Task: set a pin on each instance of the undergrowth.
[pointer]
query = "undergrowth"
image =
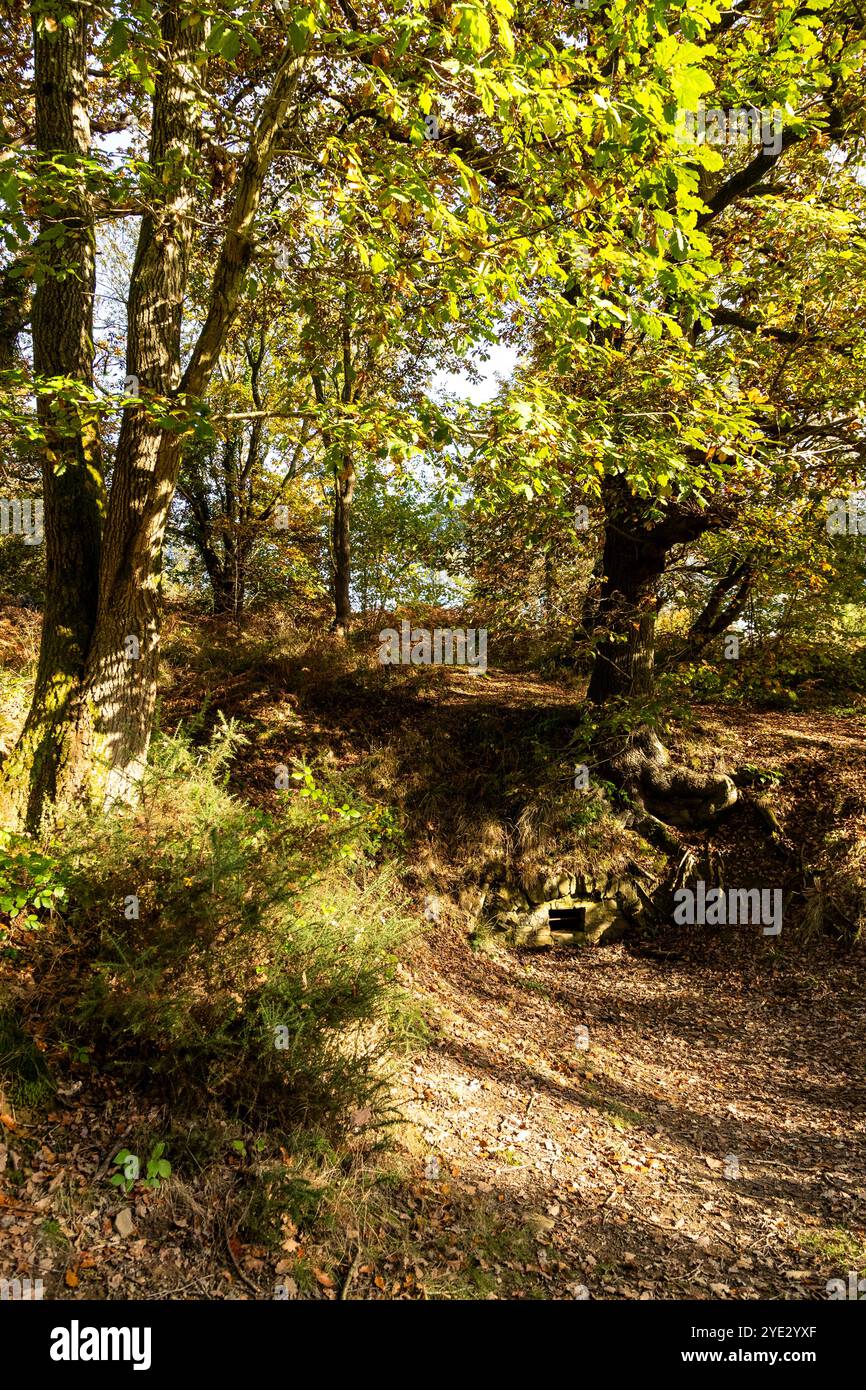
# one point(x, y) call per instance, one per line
point(212, 948)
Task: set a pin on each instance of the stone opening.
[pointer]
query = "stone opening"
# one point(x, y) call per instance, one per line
point(566, 918)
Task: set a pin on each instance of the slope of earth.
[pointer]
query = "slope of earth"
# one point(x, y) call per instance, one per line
point(675, 1118)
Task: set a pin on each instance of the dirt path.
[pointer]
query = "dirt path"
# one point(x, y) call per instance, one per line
point(685, 1120)
point(692, 1142)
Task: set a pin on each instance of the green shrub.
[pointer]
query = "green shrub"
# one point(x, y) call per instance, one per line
point(23, 1069)
point(261, 964)
point(29, 881)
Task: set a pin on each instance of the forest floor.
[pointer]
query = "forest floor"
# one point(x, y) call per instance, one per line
point(705, 1144)
point(679, 1118)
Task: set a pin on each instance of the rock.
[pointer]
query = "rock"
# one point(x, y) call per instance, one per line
point(543, 887)
point(619, 927)
point(538, 941)
point(123, 1222)
point(589, 919)
point(507, 921)
point(608, 928)
point(505, 894)
point(519, 929)
point(535, 890)
point(626, 895)
point(538, 917)
point(531, 934)
point(432, 908)
point(599, 916)
point(590, 884)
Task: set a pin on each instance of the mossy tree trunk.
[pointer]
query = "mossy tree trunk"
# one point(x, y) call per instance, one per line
point(341, 540)
point(49, 747)
point(121, 692)
point(634, 559)
point(89, 726)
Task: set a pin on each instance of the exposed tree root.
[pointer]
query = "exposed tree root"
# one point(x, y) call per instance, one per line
point(771, 823)
point(667, 793)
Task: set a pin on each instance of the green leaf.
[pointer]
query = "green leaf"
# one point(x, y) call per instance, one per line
point(118, 39)
point(230, 46)
point(301, 29)
point(689, 85)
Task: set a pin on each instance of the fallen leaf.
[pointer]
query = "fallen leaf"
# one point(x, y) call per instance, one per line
point(123, 1222)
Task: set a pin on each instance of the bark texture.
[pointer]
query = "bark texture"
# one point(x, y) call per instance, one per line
point(121, 691)
point(344, 492)
point(73, 495)
point(90, 731)
point(120, 684)
point(634, 558)
point(15, 307)
point(345, 480)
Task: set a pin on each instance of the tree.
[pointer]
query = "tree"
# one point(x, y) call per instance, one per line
point(62, 329)
point(100, 716)
point(235, 488)
point(768, 196)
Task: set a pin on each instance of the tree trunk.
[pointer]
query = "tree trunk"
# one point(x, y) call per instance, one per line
point(228, 580)
point(72, 485)
point(15, 306)
point(123, 691)
point(120, 684)
point(116, 697)
point(341, 537)
point(635, 555)
point(219, 585)
point(239, 580)
point(633, 563)
point(636, 550)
